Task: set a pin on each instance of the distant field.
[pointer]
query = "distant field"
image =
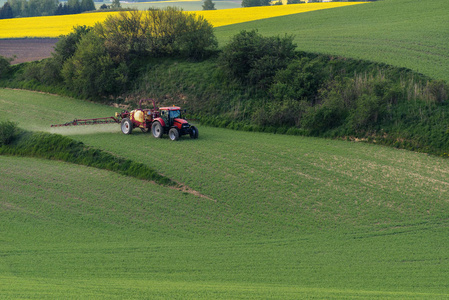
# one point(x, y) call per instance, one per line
point(185, 5)
point(405, 33)
point(284, 218)
point(54, 26)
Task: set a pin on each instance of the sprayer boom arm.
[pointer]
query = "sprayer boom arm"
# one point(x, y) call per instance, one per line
point(89, 122)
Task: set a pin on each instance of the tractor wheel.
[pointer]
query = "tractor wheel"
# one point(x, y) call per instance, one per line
point(173, 134)
point(157, 130)
point(127, 126)
point(193, 132)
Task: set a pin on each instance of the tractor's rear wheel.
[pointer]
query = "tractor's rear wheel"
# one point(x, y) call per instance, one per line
point(173, 134)
point(157, 130)
point(127, 126)
point(193, 132)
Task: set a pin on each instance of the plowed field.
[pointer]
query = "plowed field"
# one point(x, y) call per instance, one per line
point(27, 49)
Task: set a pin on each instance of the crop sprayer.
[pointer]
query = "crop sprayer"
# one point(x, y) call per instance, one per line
point(160, 120)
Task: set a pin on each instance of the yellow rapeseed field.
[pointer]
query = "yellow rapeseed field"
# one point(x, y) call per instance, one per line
point(54, 26)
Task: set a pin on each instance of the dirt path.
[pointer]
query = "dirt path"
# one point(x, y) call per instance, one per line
point(27, 49)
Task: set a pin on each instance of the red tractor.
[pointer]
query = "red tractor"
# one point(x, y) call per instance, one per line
point(163, 120)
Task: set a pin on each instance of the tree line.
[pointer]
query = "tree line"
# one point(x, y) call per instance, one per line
point(33, 8)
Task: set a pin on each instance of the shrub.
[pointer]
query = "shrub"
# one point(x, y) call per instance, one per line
point(157, 32)
point(67, 45)
point(327, 115)
point(8, 132)
point(369, 109)
point(251, 58)
point(91, 72)
point(300, 80)
point(4, 66)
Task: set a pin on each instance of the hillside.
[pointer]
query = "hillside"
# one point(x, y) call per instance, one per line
point(280, 217)
point(405, 33)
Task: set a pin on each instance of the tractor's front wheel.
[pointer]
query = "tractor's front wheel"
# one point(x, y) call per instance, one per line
point(127, 126)
point(173, 134)
point(193, 132)
point(157, 130)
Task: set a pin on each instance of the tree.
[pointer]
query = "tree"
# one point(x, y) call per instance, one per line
point(87, 5)
point(91, 72)
point(167, 32)
point(116, 4)
point(209, 5)
point(74, 6)
point(251, 3)
point(6, 11)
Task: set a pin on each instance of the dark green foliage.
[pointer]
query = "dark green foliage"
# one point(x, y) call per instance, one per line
point(4, 66)
point(167, 32)
point(67, 44)
point(92, 72)
point(300, 80)
point(58, 147)
point(87, 5)
point(251, 3)
point(8, 132)
point(6, 11)
point(208, 5)
point(254, 59)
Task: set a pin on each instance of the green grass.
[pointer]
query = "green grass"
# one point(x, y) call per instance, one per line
point(404, 33)
point(280, 217)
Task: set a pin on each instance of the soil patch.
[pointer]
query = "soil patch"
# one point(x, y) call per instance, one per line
point(27, 49)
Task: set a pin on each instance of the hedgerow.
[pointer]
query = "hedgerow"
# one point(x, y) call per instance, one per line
point(58, 147)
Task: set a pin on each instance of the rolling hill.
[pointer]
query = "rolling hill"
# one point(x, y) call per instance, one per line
point(272, 216)
point(276, 216)
point(405, 33)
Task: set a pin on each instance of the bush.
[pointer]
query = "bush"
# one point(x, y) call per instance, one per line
point(67, 45)
point(301, 80)
point(8, 132)
point(327, 115)
point(91, 72)
point(167, 32)
point(254, 59)
point(4, 66)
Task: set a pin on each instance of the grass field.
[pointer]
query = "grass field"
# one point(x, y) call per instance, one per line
point(280, 217)
point(404, 33)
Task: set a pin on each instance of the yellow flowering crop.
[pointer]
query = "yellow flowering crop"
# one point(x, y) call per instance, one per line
point(50, 26)
point(54, 26)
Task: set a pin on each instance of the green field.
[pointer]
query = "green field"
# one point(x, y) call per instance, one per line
point(273, 217)
point(405, 33)
point(185, 5)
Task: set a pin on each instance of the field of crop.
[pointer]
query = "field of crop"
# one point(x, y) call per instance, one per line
point(186, 5)
point(280, 217)
point(54, 26)
point(404, 33)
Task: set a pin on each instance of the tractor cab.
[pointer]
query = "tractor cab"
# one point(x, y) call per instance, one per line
point(171, 122)
point(169, 114)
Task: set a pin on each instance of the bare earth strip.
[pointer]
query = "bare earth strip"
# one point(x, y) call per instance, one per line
point(27, 49)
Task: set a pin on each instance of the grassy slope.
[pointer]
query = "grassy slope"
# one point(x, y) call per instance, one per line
point(405, 33)
point(285, 217)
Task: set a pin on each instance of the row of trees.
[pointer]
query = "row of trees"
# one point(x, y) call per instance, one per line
point(32, 8)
